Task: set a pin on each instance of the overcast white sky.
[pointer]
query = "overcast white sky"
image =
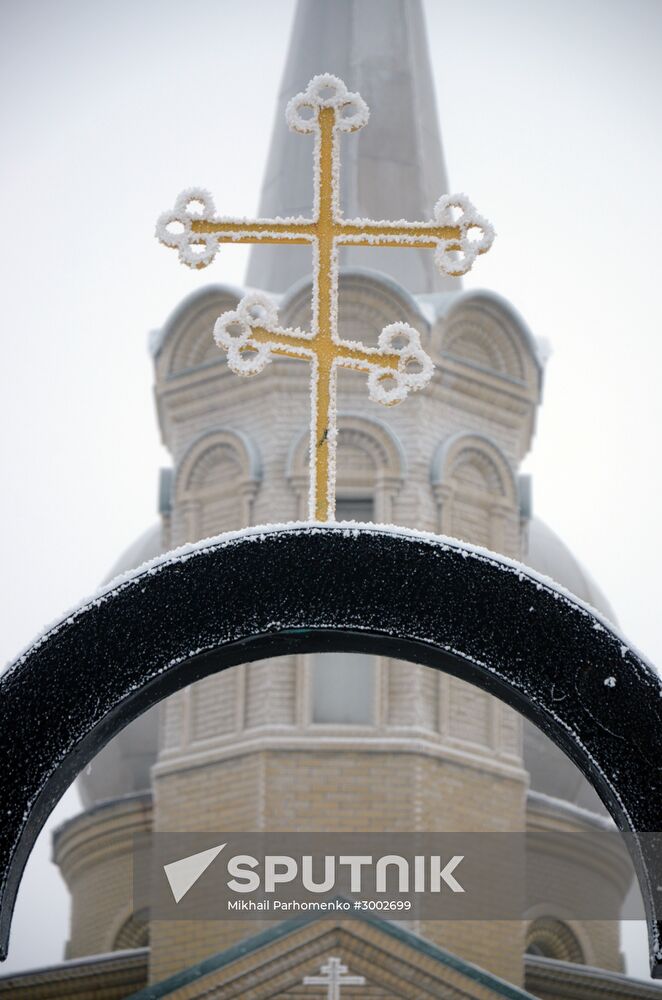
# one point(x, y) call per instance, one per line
point(550, 120)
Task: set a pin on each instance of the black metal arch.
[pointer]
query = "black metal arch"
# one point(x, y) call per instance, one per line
point(300, 588)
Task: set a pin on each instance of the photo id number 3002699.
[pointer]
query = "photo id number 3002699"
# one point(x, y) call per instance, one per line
point(382, 904)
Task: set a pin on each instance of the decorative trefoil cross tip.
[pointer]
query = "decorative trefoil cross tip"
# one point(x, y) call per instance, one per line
point(250, 334)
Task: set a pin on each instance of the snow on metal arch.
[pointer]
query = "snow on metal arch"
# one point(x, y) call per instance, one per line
point(309, 587)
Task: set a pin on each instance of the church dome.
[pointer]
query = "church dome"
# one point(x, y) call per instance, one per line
point(146, 546)
point(549, 555)
point(123, 766)
point(551, 772)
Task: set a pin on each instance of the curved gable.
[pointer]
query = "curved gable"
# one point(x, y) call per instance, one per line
point(185, 341)
point(483, 330)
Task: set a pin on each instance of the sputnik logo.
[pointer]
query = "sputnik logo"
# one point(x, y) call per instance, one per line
point(183, 874)
point(428, 873)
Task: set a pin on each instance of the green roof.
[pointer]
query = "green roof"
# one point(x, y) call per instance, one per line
point(281, 930)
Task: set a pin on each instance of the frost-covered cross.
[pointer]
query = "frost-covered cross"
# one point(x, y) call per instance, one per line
point(334, 975)
point(250, 333)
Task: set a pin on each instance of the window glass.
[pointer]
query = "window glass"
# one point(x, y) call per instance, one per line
point(343, 684)
point(343, 687)
point(354, 509)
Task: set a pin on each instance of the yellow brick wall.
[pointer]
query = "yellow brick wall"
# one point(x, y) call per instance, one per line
point(325, 790)
point(94, 854)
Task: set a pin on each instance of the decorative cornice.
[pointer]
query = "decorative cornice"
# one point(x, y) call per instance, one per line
point(550, 979)
point(113, 975)
point(407, 743)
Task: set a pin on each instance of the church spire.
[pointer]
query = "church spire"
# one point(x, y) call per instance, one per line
point(392, 169)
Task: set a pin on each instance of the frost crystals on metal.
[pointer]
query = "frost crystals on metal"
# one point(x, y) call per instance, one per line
point(250, 334)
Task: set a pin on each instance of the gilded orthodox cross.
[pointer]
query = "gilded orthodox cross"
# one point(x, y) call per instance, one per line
point(251, 335)
point(334, 976)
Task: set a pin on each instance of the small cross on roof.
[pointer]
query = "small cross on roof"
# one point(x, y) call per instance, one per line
point(334, 977)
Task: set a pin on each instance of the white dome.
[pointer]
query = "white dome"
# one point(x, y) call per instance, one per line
point(549, 555)
point(146, 547)
point(123, 766)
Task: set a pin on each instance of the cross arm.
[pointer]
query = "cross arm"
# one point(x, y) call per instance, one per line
point(260, 231)
point(193, 229)
point(457, 233)
point(295, 343)
point(251, 336)
point(422, 234)
point(397, 365)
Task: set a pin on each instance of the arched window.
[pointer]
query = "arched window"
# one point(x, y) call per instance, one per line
point(476, 493)
point(478, 335)
point(482, 331)
point(134, 932)
point(215, 483)
point(370, 469)
point(185, 342)
point(548, 937)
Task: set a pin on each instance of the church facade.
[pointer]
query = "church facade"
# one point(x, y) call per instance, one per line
point(340, 742)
